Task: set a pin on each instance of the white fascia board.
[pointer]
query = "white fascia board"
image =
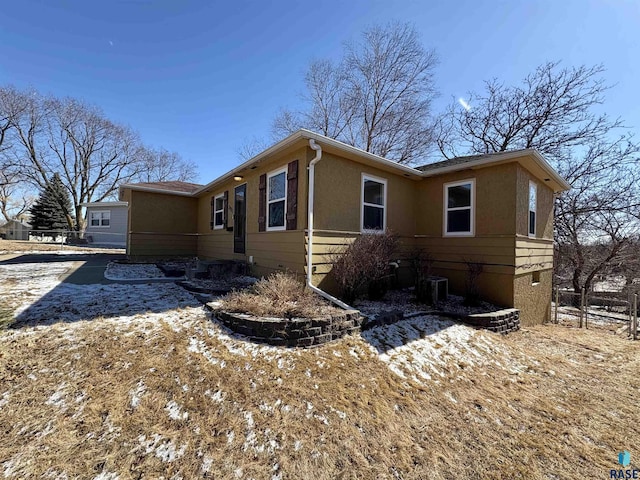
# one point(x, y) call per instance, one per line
point(303, 134)
point(133, 186)
point(104, 204)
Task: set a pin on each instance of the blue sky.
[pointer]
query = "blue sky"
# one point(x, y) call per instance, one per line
point(202, 78)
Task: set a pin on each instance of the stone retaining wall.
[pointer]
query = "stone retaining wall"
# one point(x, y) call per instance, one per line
point(502, 321)
point(294, 332)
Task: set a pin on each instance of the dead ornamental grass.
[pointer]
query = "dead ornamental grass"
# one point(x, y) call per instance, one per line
point(280, 295)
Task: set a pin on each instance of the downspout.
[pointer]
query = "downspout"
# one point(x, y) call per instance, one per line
point(310, 189)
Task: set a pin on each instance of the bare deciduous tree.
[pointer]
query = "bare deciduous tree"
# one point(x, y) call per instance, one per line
point(377, 98)
point(554, 112)
point(251, 147)
point(92, 154)
point(598, 217)
point(14, 200)
point(160, 165)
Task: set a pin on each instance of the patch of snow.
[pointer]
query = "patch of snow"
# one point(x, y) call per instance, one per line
point(106, 476)
point(165, 450)
point(57, 398)
point(132, 271)
point(175, 411)
point(424, 346)
point(217, 397)
point(136, 394)
point(207, 462)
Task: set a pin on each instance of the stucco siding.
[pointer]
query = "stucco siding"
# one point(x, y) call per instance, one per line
point(338, 200)
point(162, 245)
point(270, 250)
point(544, 205)
point(533, 298)
point(495, 201)
point(162, 225)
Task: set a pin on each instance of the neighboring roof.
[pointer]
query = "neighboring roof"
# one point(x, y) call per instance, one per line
point(26, 225)
point(529, 158)
point(176, 187)
point(104, 204)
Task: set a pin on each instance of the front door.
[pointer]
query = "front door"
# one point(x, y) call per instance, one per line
point(240, 219)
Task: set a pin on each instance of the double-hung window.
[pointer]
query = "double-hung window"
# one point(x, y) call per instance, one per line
point(374, 204)
point(533, 198)
point(100, 218)
point(277, 199)
point(459, 208)
point(218, 212)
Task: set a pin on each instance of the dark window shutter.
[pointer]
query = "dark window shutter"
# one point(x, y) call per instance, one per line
point(213, 212)
point(262, 203)
point(292, 195)
point(225, 208)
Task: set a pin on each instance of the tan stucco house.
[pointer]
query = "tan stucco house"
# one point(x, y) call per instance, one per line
point(496, 210)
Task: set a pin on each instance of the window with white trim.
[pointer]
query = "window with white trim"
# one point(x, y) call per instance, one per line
point(218, 212)
point(459, 208)
point(533, 199)
point(277, 199)
point(374, 204)
point(100, 218)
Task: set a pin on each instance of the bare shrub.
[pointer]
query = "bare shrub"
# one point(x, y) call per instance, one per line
point(365, 262)
point(421, 262)
point(281, 294)
point(472, 293)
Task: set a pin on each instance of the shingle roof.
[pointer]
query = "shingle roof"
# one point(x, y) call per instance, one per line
point(174, 186)
point(456, 161)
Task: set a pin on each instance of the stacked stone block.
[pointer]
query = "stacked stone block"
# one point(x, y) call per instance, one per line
point(294, 332)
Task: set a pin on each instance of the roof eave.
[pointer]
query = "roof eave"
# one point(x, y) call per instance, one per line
point(133, 186)
point(542, 162)
point(104, 204)
point(304, 134)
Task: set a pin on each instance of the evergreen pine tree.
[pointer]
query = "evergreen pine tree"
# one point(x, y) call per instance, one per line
point(53, 207)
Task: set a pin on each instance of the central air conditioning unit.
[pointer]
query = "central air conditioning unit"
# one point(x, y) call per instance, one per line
point(438, 289)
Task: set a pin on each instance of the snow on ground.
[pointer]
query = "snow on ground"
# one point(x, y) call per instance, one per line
point(132, 271)
point(393, 300)
point(612, 283)
point(426, 346)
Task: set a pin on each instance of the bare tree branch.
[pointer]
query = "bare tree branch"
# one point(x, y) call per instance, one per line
point(377, 98)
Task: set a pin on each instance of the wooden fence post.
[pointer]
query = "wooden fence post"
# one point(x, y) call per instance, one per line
point(634, 326)
point(581, 307)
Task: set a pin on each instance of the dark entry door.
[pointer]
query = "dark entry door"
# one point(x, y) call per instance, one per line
point(240, 219)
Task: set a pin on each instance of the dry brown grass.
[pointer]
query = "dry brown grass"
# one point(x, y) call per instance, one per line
point(17, 246)
point(331, 412)
point(6, 315)
point(280, 295)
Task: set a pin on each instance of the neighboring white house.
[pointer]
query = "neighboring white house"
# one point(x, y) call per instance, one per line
point(15, 230)
point(107, 223)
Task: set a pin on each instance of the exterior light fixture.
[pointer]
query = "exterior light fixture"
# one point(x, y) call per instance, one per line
point(237, 178)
